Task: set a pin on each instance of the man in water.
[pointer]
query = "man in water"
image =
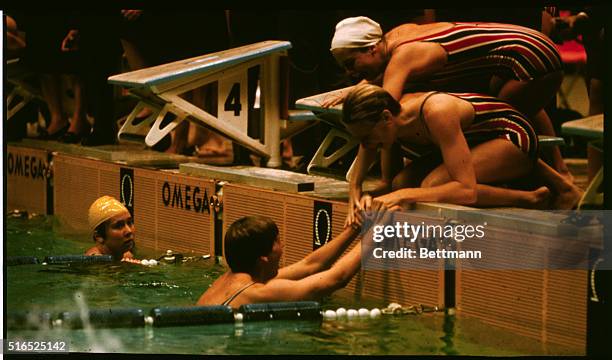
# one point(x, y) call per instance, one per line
point(112, 227)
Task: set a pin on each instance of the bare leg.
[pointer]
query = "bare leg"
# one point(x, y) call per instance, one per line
point(530, 97)
point(544, 124)
point(136, 61)
point(215, 145)
point(596, 102)
point(508, 163)
point(179, 138)
point(287, 147)
point(410, 176)
point(51, 90)
point(79, 124)
point(211, 143)
point(568, 194)
point(180, 133)
point(497, 196)
point(134, 57)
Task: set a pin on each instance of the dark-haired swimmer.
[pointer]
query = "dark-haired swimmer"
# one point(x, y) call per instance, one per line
point(253, 251)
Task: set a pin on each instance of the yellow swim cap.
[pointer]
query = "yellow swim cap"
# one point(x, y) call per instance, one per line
point(103, 209)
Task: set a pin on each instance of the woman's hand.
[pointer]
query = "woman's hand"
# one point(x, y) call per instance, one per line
point(393, 201)
point(353, 205)
point(334, 99)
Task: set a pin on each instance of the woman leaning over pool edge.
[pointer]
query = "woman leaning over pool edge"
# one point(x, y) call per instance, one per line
point(481, 140)
point(513, 63)
point(112, 229)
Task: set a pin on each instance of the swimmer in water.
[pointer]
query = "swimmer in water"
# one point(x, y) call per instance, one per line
point(112, 227)
point(253, 250)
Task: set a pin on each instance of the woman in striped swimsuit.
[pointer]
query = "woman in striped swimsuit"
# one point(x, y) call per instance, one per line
point(513, 63)
point(479, 139)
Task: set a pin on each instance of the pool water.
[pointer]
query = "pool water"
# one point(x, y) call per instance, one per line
point(57, 288)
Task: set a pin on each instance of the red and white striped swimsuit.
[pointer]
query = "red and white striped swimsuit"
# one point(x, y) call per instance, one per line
point(495, 119)
point(509, 51)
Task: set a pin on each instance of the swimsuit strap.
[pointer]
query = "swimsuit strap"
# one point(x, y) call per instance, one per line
point(426, 37)
point(231, 298)
point(421, 117)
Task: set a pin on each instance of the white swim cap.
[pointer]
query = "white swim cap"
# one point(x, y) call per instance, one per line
point(356, 32)
point(103, 209)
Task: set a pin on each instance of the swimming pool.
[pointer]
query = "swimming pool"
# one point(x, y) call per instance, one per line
point(57, 288)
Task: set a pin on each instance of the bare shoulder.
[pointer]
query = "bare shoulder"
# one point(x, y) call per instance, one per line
point(439, 108)
point(271, 291)
point(407, 32)
point(274, 290)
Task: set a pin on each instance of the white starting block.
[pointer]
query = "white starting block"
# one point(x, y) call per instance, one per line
point(21, 90)
point(159, 88)
point(332, 116)
point(591, 127)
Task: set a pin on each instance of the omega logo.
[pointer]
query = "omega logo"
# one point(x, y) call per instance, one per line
point(327, 227)
point(127, 180)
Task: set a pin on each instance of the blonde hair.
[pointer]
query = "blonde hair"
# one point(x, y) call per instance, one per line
point(366, 102)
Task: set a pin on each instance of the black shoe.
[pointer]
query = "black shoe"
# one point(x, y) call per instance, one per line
point(96, 138)
point(44, 135)
point(71, 138)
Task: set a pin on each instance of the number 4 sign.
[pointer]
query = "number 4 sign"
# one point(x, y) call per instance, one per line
point(232, 105)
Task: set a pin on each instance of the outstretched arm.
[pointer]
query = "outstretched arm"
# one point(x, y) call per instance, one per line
point(322, 283)
point(322, 258)
point(365, 158)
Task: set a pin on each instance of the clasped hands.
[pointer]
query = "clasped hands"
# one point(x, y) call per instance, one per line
point(367, 213)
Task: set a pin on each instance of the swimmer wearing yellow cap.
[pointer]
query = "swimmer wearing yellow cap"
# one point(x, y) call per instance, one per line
point(112, 227)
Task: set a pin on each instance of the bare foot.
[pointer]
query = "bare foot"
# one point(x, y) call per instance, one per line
point(216, 146)
point(568, 199)
point(209, 151)
point(539, 198)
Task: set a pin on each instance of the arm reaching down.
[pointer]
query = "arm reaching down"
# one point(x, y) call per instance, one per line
point(323, 283)
point(443, 115)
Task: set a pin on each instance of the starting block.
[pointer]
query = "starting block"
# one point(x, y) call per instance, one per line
point(591, 127)
point(159, 89)
point(331, 116)
point(22, 90)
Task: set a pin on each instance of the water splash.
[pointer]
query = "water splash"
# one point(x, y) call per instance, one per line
point(99, 341)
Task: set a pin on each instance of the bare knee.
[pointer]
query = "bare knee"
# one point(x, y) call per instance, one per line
point(400, 181)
